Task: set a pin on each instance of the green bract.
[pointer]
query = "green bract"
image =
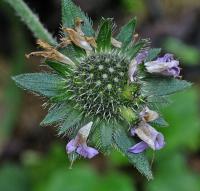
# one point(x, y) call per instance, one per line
point(98, 89)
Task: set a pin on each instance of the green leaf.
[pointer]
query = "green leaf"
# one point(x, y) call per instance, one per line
point(56, 114)
point(152, 54)
point(71, 120)
point(126, 33)
point(104, 35)
point(134, 49)
point(106, 133)
point(163, 86)
point(123, 142)
point(61, 69)
point(160, 122)
point(31, 20)
point(70, 12)
point(40, 83)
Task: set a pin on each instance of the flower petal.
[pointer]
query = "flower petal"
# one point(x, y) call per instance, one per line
point(141, 56)
point(132, 70)
point(148, 115)
point(149, 135)
point(159, 143)
point(85, 130)
point(133, 131)
point(86, 152)
point(71, 146)
point(138, 148)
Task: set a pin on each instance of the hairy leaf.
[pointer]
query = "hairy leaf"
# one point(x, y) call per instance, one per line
point(70, 12)
point(41, 83)
point(160, 122)
point(126, 33)
point(134, 49)
point(123, 142)
point(106, 132)
point(61, 69)
point(70, 121)
point(152, 54)
point(55, 114)
point(163, 86)
point(104, 35)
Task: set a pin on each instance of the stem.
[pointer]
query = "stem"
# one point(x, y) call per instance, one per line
point(31, 20)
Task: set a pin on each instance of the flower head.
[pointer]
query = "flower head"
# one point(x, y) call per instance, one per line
point(165, 65)
point(79, 144)
point(99, 77)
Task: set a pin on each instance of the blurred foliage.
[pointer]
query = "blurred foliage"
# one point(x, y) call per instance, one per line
point(182, 115)
point(53, 173)
point(135, 6)
point(11, 92)
point(173, 174)
point(186, 53)
point(13, 178)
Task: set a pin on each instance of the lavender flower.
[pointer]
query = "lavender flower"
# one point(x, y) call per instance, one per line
point(149, 136)
point(148, 115)
point(133, 65)
point(138, 148)
point(141, 56)
point(79, 143)
point(165, 65)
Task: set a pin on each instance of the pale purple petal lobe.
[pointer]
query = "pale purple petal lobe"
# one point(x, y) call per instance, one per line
point(159, 142)
point(138, 148)
point(86, 152)
point(141, 56)
point(71, 146)
point(165, 65)
point(133, 132)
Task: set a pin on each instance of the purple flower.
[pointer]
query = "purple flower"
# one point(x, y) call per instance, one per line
point(132, 70)
point(138, 148)
point(141, 56)
point(149, 136)
point(79, 143)
point(133, 65)
point(148, 115)
point(165, 65)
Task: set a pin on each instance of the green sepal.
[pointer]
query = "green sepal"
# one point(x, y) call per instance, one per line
point(123, 143)
point(126, 33)
point(71, 120)
point(44, 84)
point(152, 54)
point(128, 114)
point(104, 35)
point(61, 97)
point(134, 49)
point(160, 122)
point(55, 114)
point(106, 133)
point(73, 52)
point(158, 86)
point(70, 12)
point(61, 69)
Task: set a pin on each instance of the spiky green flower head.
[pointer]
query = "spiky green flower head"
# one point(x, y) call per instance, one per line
point(101, 85)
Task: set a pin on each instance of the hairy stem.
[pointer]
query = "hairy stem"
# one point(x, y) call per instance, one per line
point(31, 20)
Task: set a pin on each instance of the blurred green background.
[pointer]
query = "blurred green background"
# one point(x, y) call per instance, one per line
point(33, 158)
